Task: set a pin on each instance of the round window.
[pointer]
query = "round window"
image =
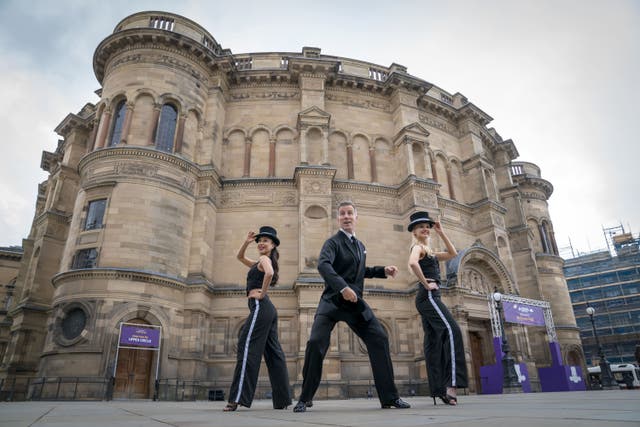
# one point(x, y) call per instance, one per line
point(73, 324)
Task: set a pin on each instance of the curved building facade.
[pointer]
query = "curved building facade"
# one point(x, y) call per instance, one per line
point(154, 188)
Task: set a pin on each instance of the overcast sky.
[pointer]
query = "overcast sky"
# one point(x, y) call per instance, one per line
point(560, 78)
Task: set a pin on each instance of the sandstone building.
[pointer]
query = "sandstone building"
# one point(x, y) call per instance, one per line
point(10, 258)
point(153, 189)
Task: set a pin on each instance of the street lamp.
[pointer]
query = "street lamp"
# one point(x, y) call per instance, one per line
point(606, 377)
point(509, 376)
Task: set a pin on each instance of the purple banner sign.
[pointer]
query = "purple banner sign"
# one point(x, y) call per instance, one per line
point(139, 336)
point(523, 314)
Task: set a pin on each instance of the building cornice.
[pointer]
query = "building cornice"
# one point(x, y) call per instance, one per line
point(138, 152)
point(527, 181)
point(107, 273)
point(151, 38)
point(489, 204)
point(238, 183)
point(550, 258)
point(367, 187)
point(414, 182)
point(12, 252)
point(73, 122)
point(310, 170)
point(471, 111)
point(455, 205)
point(428, 104)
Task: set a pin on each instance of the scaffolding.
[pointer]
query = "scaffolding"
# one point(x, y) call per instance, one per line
point(620, 242)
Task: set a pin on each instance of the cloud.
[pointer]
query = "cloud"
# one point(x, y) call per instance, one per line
point(559, 78)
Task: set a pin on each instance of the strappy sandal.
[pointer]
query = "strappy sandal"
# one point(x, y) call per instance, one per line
point(447, 399)
point(231, 406)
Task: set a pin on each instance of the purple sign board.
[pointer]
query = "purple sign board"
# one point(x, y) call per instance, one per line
point(523, 314)
point(139, 336)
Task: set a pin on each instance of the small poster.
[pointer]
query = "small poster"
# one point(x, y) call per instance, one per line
point(523, 314)
point(139, 336)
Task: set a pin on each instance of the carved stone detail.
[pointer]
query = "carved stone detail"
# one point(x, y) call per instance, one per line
point(270, 95)
point(426, 199)
point(474, 281)
point(317, 187)
point(443, 126)
point(359, 102)
point(237, 198)
point(136, 168)
point(170, 60)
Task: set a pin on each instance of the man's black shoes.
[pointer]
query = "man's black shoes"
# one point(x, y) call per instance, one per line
point(302, 406)
point(396, 403)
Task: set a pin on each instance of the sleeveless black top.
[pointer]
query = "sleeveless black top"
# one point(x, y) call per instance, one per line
point(430, 267)
point(431, 270)
point(255, 278)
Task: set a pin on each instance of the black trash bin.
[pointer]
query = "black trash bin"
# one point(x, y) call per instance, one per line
point(216, 394)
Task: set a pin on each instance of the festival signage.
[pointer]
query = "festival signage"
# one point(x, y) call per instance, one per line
point(523, 314)
point(139, 336)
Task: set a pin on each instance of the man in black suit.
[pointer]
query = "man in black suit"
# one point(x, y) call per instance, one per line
point(342, 265)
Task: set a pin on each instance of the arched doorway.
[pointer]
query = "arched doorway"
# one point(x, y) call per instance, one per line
point(476, 271)
point(477, 360)
point(573, 358)
point(133, 372)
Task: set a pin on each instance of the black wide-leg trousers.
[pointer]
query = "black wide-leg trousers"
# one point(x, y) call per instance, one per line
point(443, 349)
point(259, 336)
point(372, 334)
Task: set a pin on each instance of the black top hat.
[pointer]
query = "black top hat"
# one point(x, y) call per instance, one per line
point(270, 232)
point(419, 217)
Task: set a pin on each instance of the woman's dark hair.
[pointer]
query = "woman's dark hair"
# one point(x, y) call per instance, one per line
point(274, 263)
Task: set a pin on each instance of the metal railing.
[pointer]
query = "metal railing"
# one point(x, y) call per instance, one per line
point(54, 388)
point(178, 389)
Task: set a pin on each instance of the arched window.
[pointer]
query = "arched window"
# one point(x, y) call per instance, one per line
point(544, 238)
point(166, 128)
point(118, 121)
point(548, 241)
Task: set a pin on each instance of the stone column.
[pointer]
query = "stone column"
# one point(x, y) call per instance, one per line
point(325, 148)
point(410, 166)
point(247, 157)
point(452, 193)
point(91, 143)
point(434, 170)
point(552, 237)
point(197, 151)
point(104, 126)
point(427, 162)
point(350, 160)
point(272, 156)
point(180, 133)
point(153, 124)
point(303, 146)
point(372, 161)
point(126, 126)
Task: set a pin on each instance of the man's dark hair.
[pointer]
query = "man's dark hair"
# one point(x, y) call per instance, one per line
point(347, 203)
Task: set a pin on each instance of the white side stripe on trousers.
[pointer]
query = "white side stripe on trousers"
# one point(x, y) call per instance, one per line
point(453, 352)
point(246, 351)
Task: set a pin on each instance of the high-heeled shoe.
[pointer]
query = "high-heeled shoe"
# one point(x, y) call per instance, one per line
point(231, 406)
point(282, 406)
point(447, 399)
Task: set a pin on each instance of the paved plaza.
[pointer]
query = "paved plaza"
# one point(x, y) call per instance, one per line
point(575, 409)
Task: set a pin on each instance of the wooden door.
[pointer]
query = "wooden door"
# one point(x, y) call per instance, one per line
point(477, 359)
point(133, 374)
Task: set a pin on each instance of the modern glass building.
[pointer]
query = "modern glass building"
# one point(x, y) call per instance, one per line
point(608, 281)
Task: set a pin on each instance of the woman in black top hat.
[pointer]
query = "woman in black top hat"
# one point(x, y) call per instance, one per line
point(443, 350)
point(259, 335)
